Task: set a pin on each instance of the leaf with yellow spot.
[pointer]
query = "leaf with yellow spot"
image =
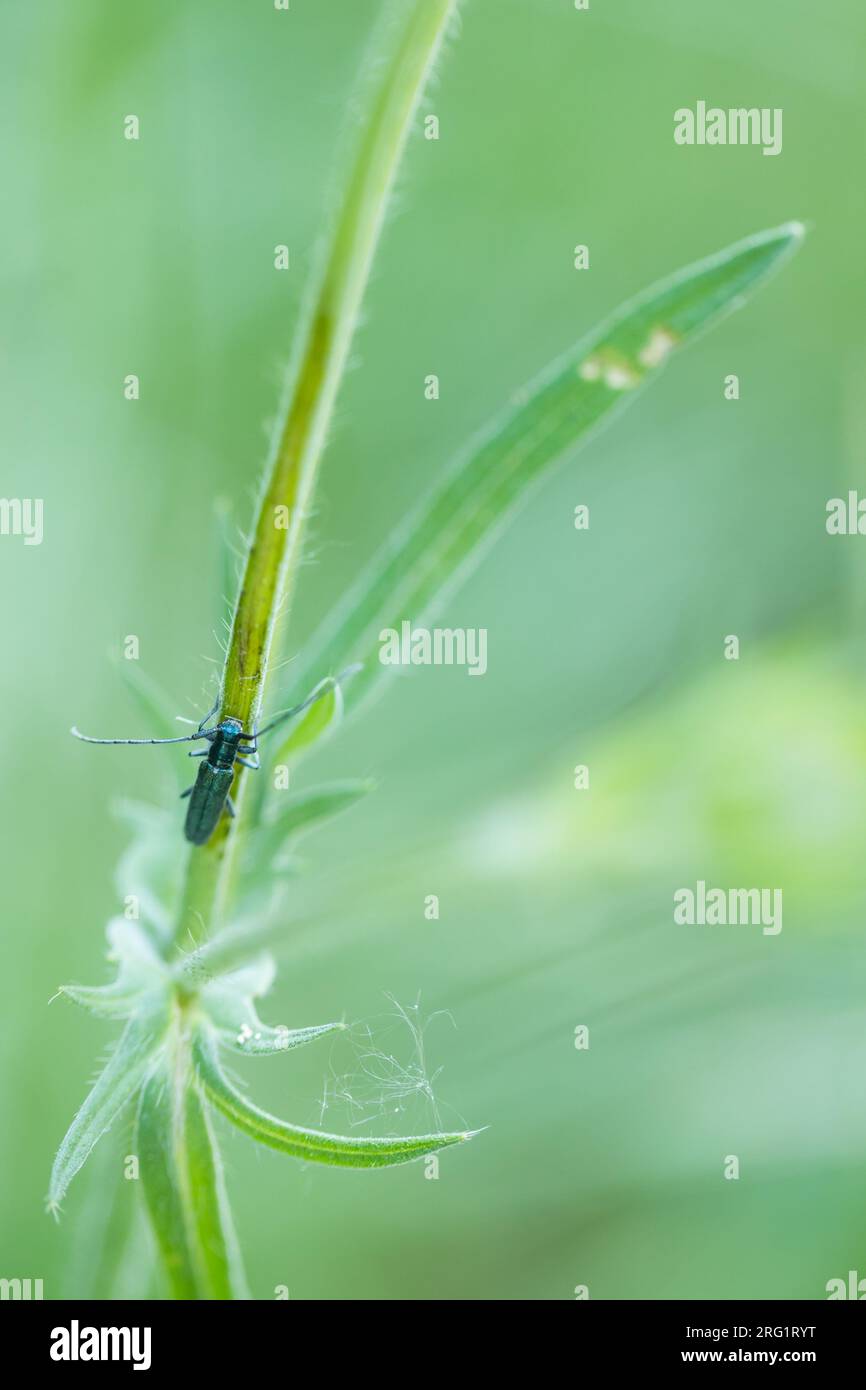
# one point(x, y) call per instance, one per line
point(431, 554)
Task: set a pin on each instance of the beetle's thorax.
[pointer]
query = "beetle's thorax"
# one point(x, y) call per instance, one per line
point(224, 747)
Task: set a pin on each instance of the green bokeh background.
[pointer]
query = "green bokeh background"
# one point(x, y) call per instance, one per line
point(602, 1167)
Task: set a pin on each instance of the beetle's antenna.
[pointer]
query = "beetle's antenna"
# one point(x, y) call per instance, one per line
point(186, 738)
point(310, 700)
point(296, 709)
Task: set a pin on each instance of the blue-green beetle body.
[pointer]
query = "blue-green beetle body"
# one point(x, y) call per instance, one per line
point(214, 782)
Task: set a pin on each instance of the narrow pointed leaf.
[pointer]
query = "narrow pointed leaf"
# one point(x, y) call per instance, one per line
point(432, 553)
point(183, 1183)
point(236, 944)
point(253, 979)
point(114, 1088)
point(310, 1144)
point(228, 1003)
point(106, 1001)
point(239, 1027)
point(318, 720)
point(142, 976)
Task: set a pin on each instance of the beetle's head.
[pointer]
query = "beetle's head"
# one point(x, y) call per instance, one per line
point(231, 728)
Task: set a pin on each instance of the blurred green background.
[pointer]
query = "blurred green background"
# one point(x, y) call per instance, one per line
point(601, 1167)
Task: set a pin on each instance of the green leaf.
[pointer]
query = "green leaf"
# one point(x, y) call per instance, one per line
point(115, 1087)
point(311, 1144)
point(295, 815)
point(435, 549)
point(228, 1003)
point(321, 718)
point(184, 1187)
point(233, 946)
point(252, 979)
point(239, 1028)
point(142, 975)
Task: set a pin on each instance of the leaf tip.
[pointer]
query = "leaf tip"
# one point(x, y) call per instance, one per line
point(779, 241)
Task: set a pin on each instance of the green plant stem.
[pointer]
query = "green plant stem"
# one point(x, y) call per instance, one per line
point(312, 386)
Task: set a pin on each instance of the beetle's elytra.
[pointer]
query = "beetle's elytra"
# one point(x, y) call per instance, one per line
point(210, 792)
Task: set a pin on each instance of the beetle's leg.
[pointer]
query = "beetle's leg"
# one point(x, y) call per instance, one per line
point(200, 753)
point(230, 807)
point(254, 767)
point(188, 792)
point(252, 744)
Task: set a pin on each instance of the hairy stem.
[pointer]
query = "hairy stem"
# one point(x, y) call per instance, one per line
point(311, 390)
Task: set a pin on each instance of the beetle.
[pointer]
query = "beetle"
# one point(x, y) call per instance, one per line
point(228, 745)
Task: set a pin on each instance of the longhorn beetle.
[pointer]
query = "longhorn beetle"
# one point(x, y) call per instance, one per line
point(228, 745)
